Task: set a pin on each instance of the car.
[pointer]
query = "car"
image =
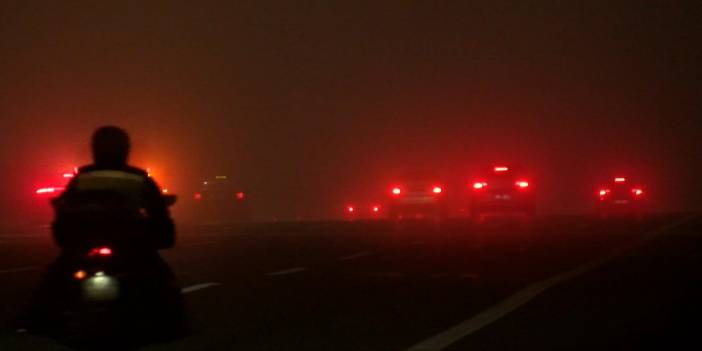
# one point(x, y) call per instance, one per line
point(417, 195)
point(372, 211)
point(502, 190)
point(621, 196)
point(46, 189)
point(221, 199)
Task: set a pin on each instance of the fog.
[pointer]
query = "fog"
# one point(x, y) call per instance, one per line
point(313, 105)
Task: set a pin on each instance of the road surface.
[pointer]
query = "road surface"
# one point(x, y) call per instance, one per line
point(555, 283)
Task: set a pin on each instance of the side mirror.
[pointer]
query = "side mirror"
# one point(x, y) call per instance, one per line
point(170, 199)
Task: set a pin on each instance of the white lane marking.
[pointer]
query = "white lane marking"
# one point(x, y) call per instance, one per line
point(356, 255)
point(197, 287)
point(287, 271)
point(492, 314)
point(17, 270)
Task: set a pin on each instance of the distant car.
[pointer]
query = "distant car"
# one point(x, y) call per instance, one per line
point(372, 211)
point(502, 190)
point(47, 189)
point(417, 195)
point(220, 199)
point(621, 196)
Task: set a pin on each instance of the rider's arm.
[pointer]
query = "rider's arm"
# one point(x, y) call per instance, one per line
point(61, 227)
point(162, 227)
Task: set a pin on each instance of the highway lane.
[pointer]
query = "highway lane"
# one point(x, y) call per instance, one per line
point(644, 299)
point(347, 285)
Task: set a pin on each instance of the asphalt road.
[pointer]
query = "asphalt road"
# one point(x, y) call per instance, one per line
point(554, 283)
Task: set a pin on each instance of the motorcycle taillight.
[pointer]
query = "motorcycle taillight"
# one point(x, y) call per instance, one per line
point(102, 251)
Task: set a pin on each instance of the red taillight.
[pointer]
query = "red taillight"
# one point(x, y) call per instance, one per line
point(637, 192)
point(101, 251)
point(68, 175)
point(479, 185)
point(619, 180)
point(522, 184)
point(501, 169)
point(604, 192)
point(50, 190)
point(197, 196)
point(375, 208)
point(396, 191)
point(164, 191)
point(240, 195)
point(437, 190)
point(350, 209)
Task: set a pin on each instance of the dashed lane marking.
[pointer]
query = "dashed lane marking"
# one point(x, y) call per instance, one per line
point(522, 297)
point(197, 287)
point(287, 271)
point(354, 256)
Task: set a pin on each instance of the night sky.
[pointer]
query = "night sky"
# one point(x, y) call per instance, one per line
point(314, 104)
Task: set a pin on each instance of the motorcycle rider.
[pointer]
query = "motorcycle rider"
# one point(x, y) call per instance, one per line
point(110, 202)
point(113, 191)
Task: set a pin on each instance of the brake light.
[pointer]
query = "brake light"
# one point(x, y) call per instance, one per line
point(479, 185)
point(240, 195)
point(101, 251)
point(50, 190)
point(69, 175)
point(396, 191)
point(437, 190)
point(375, 208)
point(501, 169)
point(165, 191)
point(350, 209)
point(604, 192)
point(637, 192)
point(522, 184)
point(619, 180)
point(197, 196)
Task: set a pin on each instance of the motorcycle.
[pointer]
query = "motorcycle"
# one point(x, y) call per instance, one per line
point(108, 291)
